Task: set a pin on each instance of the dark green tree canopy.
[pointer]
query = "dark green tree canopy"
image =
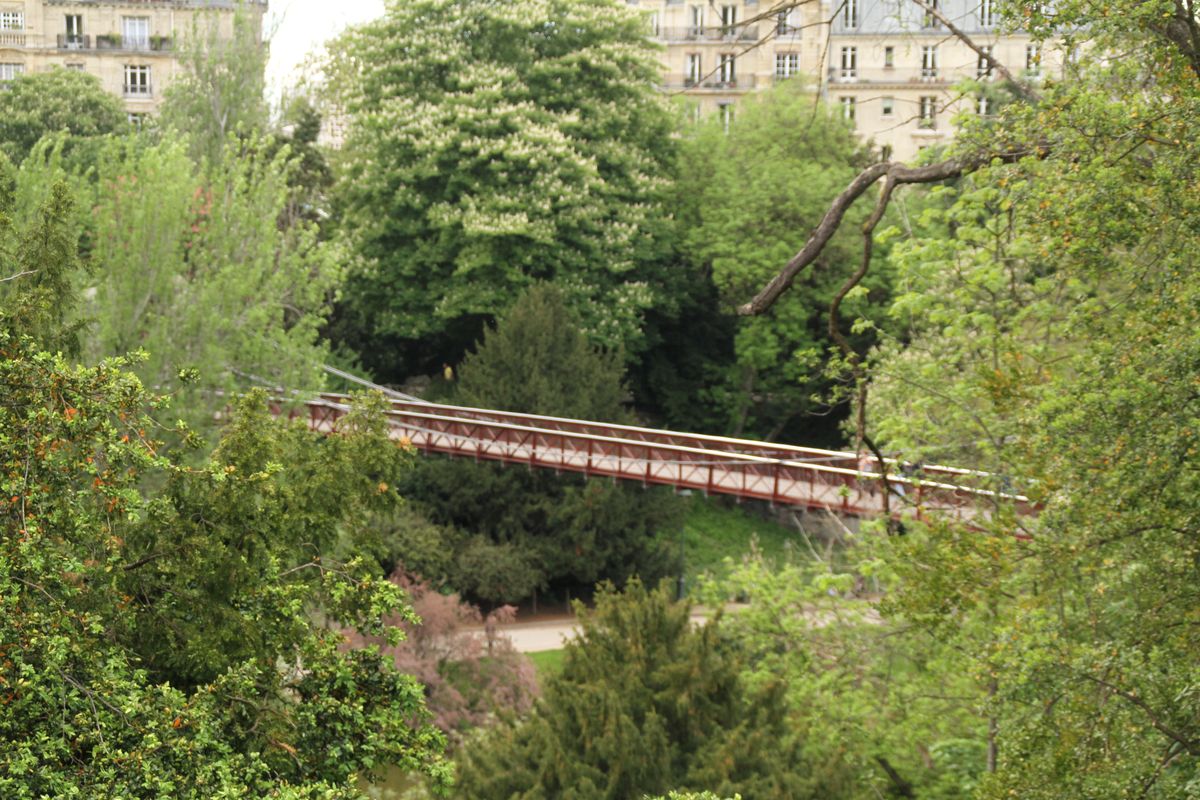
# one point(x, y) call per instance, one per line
point(645, 703)
point(538, 360)
point(35, 104)
point(529, 530)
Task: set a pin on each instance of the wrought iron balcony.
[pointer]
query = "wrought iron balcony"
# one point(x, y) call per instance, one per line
point(149, 44)
point(715, 34)
point(710, 83)
point(71, 41)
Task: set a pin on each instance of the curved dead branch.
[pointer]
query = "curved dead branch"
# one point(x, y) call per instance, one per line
point(897, 174)
point(1020, 88)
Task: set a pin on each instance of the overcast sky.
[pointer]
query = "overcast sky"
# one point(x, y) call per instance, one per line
point(301, 26)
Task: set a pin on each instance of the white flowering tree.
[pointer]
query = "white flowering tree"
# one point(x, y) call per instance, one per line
point(492, 145)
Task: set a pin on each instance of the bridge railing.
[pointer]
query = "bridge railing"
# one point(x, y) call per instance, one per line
point(927, 473)
point(596, 449)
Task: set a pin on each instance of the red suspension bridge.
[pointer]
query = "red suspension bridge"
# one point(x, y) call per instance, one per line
point(780, 474)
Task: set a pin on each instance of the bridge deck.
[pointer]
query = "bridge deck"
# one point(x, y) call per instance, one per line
point(783, 474)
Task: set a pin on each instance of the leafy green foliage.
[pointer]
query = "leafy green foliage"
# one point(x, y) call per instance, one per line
point(493, 145)
point(61, 100)
point(221, 85)
point(644, 702)
point(312, 177)
point(167, 643)
point(194, 267)
point(1061, 327)
point(37, 265)
point(747, 201)
point(881, 711)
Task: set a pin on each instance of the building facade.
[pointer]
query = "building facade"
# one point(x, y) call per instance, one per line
point(891, 67)
point(716, 53)
point(130, 45)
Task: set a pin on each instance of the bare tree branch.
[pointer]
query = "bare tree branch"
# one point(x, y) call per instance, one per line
point(1191, 746)
point(18, 275)
point(1022, 88)
point(897, 174)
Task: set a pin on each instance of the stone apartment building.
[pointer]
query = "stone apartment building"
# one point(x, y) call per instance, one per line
point(716, 53)
point(889, 65)
point(130, 45)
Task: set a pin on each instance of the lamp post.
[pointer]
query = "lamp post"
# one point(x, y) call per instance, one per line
point(682, 534)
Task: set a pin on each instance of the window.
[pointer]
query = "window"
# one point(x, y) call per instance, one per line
point(929, 63)
point(12, 20)
point(137, 119)
point(73, 39)
point(728, 20)
point(888, 104)
point(931, 20)
point(987, 13)
point(786, 22)
point(928, 116)
point(889, 57)
point(849, 63)
point(848, 108)
point(135, 33)
point(725, 71)
point(76, 67)
point(850, 13)
point(10, 71)
point(696, 17)
point(653, 20)
point(985, 107)
point(983, 70)
point(726, 112)
point(1033, 59)
point(786, 64)
point(694, 69)
point(137, 81)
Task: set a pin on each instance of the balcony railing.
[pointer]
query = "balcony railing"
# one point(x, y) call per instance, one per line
point(150, 44)
point(70, 41)
point(162, 3)
point(711, 83)
point(898, 76)
point(135, 91)
point(11, 39)
point(736, 33)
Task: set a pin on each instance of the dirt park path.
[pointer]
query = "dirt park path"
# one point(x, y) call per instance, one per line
point(551, 633)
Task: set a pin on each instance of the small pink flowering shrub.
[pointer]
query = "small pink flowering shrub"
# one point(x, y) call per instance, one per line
point(470, 670)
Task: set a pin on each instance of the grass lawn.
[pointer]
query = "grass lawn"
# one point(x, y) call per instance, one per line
point(546, 662)
point(715, 531)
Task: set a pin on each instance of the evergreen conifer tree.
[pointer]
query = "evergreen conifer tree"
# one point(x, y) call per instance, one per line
point(531, 530)
point(646, 703)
